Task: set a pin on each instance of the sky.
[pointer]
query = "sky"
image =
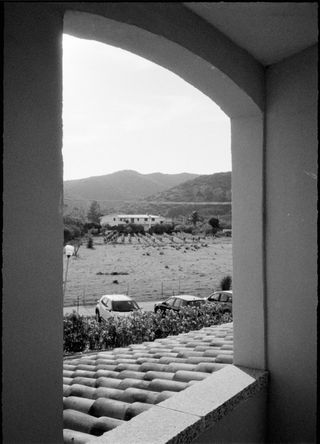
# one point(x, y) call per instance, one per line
point(121, 111)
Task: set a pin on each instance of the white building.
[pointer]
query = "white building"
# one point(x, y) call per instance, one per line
point(147, 220)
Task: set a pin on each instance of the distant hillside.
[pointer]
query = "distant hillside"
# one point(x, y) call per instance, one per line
point(207, 188)
point(122, 185)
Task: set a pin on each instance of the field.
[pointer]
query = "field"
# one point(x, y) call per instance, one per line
point(147, 272)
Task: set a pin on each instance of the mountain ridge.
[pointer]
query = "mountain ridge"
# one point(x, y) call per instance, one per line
point(214, 187)
point(122, 185)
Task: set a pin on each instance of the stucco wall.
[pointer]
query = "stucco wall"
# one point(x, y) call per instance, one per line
point(248, 241)
point(32, 238)
point(291, 239)
point(175, 38)
point(32, 226)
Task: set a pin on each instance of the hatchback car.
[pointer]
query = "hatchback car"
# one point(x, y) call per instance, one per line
point(111, 305)
point(177, 302)
point(223, 298)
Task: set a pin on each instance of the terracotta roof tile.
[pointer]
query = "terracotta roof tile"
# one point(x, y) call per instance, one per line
point(76, 403)
point(104, 389)
point(74, 437)
point(151, 374)
point(109, 407)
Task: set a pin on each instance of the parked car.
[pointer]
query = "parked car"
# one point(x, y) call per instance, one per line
point(177, 302)
point(115, 305)
point(223, 298)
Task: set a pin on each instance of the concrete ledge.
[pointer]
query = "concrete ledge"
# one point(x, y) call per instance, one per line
point(157, 426)
point(187, 414)
point(216, 396)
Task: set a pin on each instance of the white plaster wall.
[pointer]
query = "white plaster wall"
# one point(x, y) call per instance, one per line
point(32, 273)
point(173, 37)
point(248, 242)
point(32, 226)
point(291, 241)
point(32, 338)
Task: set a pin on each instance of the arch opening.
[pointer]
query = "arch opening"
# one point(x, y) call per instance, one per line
point(238, 88)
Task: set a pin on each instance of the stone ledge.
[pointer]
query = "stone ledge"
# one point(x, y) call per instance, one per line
point(217, 395)
point(183, 417)
point(157, 426)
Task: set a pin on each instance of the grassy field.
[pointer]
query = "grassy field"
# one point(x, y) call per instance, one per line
point(147, 272)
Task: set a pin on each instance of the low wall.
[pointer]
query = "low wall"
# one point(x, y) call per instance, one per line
point(228, 406)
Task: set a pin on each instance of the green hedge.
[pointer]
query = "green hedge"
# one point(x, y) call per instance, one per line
point(83, 333)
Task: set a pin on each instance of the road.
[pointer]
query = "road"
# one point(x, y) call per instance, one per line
point(88, 310)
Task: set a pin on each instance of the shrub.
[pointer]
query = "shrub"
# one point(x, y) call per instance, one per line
point(75, 333)
point(90, 242)
point(129, 228)
point(206, 229)
point(85, 333)
point(71, 232)
point(67, 234)
point(215, 224)
point(161, 228)
point(183, 228)
point(91, 226)
point(225, 283)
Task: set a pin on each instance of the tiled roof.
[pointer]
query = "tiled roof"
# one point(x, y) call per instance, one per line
point(102, 390)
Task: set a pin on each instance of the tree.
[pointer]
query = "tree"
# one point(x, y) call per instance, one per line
point(195, 218)
point(94, 213)
point(225, 283)
point(215, 224)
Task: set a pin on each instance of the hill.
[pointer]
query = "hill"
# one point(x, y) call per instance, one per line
point(131, 192)
point(120, 186)
point(206, 188)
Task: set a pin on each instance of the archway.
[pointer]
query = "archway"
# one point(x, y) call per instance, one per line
point(237, 88)
point(174, 37)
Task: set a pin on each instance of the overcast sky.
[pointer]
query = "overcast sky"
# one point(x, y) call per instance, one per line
point(121, 111)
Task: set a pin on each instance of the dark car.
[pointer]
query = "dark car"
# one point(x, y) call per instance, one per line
point(177, 302)
point(223, 298)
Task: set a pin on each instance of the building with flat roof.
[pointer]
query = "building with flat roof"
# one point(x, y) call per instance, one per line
point(147, 220)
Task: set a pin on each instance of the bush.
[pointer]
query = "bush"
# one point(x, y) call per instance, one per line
point(85, 333)
point(71, 232)
point(88, 227)
point(75, 333)
point(206, 229)
point(161, 228)
point(183, 228)
point(90, 242)
point(225, 283)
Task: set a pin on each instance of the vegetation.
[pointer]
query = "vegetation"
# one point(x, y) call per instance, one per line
point(226, 283)
point(90, 242)
point(183, 228)
point(121, 185)
point(206, 188)
point(129, 228)
point(195, 217)
point(161, 229)
point(85, 333)
point(215, 224)
point(142, 194)
point(94, 213)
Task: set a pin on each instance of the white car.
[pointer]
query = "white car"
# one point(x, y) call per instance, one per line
point(222, 297)
point(111, 305)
